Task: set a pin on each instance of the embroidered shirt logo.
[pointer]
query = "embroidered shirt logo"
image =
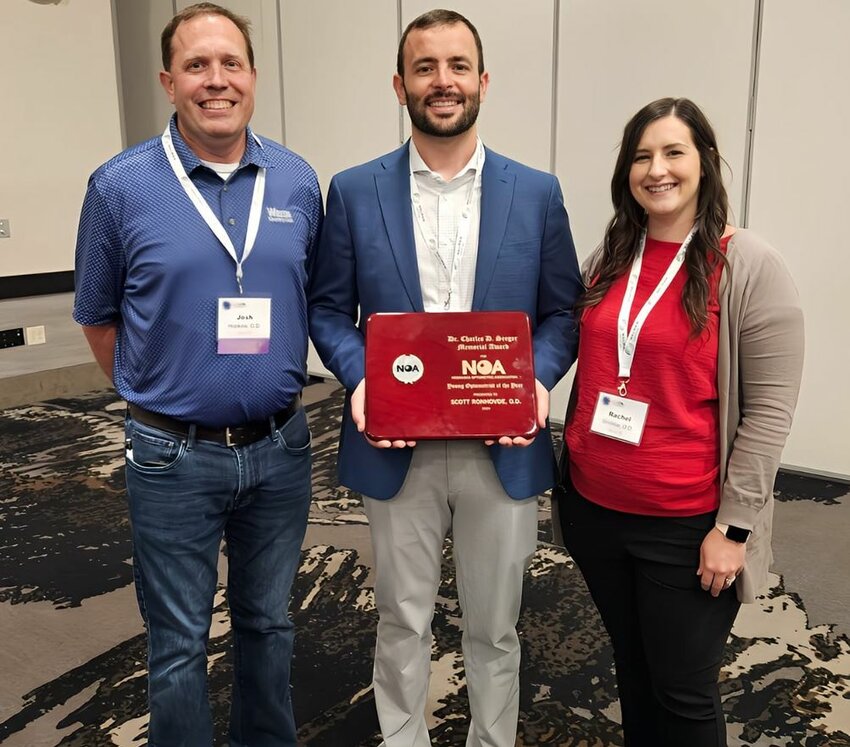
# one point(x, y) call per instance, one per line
point(278, 216)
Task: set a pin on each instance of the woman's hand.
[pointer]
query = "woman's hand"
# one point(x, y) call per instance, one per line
point(720, 561)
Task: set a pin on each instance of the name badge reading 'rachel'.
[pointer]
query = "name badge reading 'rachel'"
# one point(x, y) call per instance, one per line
point(619, 418)
point(244, 325)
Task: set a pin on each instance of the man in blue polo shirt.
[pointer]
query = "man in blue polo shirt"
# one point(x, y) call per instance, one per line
point(191, 267)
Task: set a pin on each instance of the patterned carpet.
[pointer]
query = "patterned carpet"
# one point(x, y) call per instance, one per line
point(72, 650)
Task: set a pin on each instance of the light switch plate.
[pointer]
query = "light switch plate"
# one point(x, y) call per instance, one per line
point(35, 335)
point(5, 230)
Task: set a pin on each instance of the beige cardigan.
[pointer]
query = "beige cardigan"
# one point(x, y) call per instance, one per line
point(759, 365)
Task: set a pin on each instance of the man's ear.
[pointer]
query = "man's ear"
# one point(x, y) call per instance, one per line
point(398, 87)
point(167, 83)
point(483, 84)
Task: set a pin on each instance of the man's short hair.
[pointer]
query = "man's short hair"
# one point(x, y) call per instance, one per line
point(439, 17)
point(204, 9)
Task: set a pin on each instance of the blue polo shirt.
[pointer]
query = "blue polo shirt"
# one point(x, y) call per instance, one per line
point(148, 262)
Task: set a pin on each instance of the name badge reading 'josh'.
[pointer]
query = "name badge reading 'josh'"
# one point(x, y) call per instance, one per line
point(244, 325)
point(619, 418)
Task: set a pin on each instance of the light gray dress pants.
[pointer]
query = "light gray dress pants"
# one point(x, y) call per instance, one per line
point(450, 485)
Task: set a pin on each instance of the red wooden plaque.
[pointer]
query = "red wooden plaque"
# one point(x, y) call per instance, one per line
point(450, 375)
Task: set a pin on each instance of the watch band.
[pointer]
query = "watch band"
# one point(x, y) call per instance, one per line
point(733, 533)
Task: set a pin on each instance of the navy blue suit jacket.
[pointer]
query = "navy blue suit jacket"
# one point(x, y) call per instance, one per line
point(366, 263)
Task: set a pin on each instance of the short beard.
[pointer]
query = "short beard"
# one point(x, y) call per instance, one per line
point(417, 110)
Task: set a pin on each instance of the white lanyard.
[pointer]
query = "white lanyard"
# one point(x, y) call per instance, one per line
point(463, 226)
point(209, 216)
point(627, 338)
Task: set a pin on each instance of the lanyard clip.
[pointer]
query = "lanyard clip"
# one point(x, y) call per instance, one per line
point(621, 388)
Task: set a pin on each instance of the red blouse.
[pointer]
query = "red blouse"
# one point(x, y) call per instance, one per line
point(674, 471)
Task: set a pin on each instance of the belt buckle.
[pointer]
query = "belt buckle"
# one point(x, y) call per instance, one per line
point(228, 438)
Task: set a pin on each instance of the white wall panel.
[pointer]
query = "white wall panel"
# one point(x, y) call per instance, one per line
point(60, 121)
point(615, 57)
point(338, 61)
point(799, 201)
point(340, 109)
point(146, 108)
point(517, 114)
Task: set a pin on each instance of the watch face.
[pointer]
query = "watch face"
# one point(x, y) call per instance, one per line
point(736, 534)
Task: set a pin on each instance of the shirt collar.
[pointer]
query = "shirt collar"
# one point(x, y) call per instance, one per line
point(418, 165)
point(255, 152)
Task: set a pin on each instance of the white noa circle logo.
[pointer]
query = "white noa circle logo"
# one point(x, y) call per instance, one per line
point(408, 369)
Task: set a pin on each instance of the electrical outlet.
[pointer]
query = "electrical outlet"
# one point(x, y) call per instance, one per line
point(5, 230)
point(10, 338)
point(35, 335)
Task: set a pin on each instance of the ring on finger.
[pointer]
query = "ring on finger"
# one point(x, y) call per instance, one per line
point(729, 581)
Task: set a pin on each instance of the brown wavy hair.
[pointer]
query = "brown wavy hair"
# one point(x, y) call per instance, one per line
point(622, 235)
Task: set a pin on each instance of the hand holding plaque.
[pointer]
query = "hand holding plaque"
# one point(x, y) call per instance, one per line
point(450, 376)
point(542, 415)
point(358, 415)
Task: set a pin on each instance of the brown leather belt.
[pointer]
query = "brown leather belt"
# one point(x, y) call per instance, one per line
point(238, 435)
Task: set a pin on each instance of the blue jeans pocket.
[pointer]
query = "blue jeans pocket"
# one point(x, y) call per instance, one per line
point(151, 450)
point(294, 435)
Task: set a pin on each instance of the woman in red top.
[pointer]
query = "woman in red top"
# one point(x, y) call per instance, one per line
point(690, 351)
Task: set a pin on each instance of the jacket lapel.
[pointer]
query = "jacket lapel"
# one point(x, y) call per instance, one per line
point(393, 185)
point(497, 190)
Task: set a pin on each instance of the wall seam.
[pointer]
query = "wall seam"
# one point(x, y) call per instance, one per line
point(119, 79)
point(399, 31)
point(751, 113)
point(280, 66)
point(556, 40)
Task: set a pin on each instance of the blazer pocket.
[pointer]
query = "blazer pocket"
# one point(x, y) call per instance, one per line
point(522, 246)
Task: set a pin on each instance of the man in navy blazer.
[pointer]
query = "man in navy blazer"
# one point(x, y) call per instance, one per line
point(443, 223)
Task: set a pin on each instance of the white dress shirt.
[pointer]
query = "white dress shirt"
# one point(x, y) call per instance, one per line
point(446, 240)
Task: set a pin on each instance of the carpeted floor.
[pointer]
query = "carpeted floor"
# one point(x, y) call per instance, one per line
point(72, 648)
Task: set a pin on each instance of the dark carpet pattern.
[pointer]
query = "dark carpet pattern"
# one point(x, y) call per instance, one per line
point(64, 541)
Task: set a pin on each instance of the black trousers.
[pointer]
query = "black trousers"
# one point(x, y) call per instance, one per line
point(667, 633)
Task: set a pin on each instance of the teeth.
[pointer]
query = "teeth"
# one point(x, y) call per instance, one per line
point(217, 104)
point(661, 188)
point(443, 103)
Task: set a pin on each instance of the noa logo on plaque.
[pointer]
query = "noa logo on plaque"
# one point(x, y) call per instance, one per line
point(408, 368)
point(481, 367)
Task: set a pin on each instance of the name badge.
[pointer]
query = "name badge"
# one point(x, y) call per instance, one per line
point(244, 325)
point(619, 418)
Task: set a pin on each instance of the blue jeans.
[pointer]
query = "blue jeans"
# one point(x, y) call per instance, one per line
point(184, 495)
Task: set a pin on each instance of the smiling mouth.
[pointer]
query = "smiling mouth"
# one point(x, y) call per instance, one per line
point(660, 188)
point(443, 103)
point(217, 104)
